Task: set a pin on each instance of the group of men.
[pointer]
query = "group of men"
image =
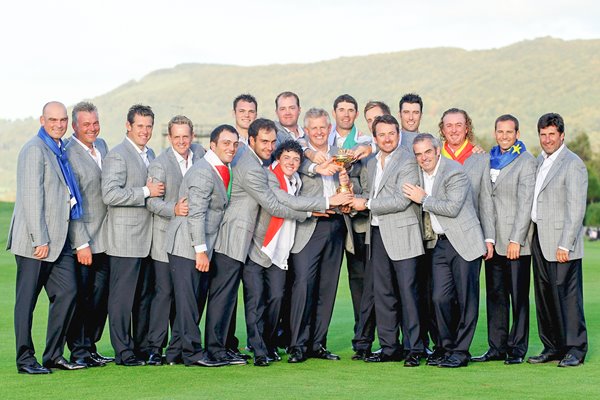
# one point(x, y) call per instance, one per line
point(151, 243)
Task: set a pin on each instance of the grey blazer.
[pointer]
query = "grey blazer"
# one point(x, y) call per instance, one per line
point(452, 204)
point(251, 190)
point(398, 216)
point(207, 200)
point(165, 169)
point(477, 167)
point(407, 139)
point(561, 206)
point(42, 209)
point(512, 194)
point(312, 185)
point(90, 228)
point(129, 223)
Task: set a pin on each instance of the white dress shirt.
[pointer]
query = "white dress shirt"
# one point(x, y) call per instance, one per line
point(184, 164)
point(541, 177)
point(144, 155)
point(428, 181)
point(96, 156)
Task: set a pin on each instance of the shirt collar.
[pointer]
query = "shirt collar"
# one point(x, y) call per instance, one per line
point(435, 170)
point(181, 159)
point(135, 146)
point(212, 158)
point(554, 155)
point(82, 144)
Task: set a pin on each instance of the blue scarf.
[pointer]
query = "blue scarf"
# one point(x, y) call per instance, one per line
point(499, 160)
point(65, 167)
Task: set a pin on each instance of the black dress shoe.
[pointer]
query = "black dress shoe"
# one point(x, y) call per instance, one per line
point(296, 356)
point(154, 359)
point(436, 357)
point(452, 361)
point(99, 357)
point(489, 356)
point(544, 358)
point(132, 361)
point(232, 359)
point(510, 360)
point(324, 354)
point(570, 361)
point(87, 362)
point(61, 363)
point(273, 356)
point(261, 361)
point(34, 369)
point(412, 360)
point(206, 362)
point(238, 354)
point(382, 357)
point(361, 355)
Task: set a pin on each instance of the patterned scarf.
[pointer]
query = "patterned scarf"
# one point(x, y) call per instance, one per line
point(499, 160)
point(459, 155)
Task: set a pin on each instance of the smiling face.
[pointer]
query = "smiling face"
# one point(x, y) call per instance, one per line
point(454, 129)
point(54, 119)
point(371, 114)
point(288, 111)
point(140, 131)
point(386, 137)
point(551, 139)
point(226, 146)
point(506, 134)
point(427, 155)
point(264, 143)
point(345, 115)
point(410, 117)
point(86, 127)
point(181, 137)
point(318, 130)
point(244, 114)
point(290, 162)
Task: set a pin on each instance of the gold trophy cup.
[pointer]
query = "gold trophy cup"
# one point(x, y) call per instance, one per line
point(344, 160)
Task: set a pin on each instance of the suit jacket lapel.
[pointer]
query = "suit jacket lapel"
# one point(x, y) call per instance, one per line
point(135, 155)
point(438, 177)
point(174, 164)
point(505, 171)
point(390, 162)
point(55, 164)
point(556, 165)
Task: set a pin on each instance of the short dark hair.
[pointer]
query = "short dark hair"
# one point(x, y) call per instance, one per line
point(139, 109)
point(248, 98)
point(286, 94)
point(374, 103)
point(289, 145)
point(260, 124)
point(216, 133)
point(411, 98)
point(551, 119)
point(385, 119)
point(507, 117)
point(345, 98)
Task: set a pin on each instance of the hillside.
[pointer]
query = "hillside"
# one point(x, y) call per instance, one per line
point(527, 79)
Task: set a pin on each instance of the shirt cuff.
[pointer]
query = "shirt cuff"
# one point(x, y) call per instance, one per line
point(327, 203)
point(146, 192)
point(563, 248)
point(200, 248)
point(311, 168)
point(512, 241)
point(368, 204)
point(492, 241)
point(83, 246)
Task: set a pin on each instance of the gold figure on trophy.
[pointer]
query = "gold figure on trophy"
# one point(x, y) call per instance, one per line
point(344, 159)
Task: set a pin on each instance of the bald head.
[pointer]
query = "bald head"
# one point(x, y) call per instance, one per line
point(54, 119)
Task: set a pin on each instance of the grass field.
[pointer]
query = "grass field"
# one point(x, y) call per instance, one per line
point(314, 379)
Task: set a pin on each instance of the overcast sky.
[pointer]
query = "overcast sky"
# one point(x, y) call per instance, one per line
point(69, 50)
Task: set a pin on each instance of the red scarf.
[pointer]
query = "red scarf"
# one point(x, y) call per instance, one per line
point(461, 154)
point(275, 223)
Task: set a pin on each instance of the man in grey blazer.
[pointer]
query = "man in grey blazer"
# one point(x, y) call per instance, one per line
point(86, 151)
point(46, 203)
point(190, 239)
point(129, 235)
point(410, 111)
point(445, 195)
point(287, 108)
point(250, 190)
point(557, 247)
point(395, 238)
point(507, 273)
point(168, 168)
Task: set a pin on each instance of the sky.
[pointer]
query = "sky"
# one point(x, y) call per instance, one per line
point(71, 50)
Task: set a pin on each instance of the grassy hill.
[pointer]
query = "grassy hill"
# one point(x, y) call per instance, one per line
point(527, 79)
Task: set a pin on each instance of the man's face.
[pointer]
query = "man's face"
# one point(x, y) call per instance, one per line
point(410, 117)
point(370, 116)
point(290, 162)
point(140, 131)
point(318, 130)
point(506, 135)
point(264, 143)
point(288, 111)
point(244, 114)
point(454, 129)
point(427, 155)
point(386, 137)
point(226, 146)
point(345, 115)
point(551, 139)
point(181, 137)
point(86, 127)
point(55, 120)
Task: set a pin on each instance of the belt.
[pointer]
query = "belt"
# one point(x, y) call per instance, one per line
point(442, 237)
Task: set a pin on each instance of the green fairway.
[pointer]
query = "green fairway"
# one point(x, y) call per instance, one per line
point(314, 379)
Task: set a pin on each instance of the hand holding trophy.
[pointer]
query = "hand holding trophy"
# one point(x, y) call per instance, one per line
point(344, 158)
